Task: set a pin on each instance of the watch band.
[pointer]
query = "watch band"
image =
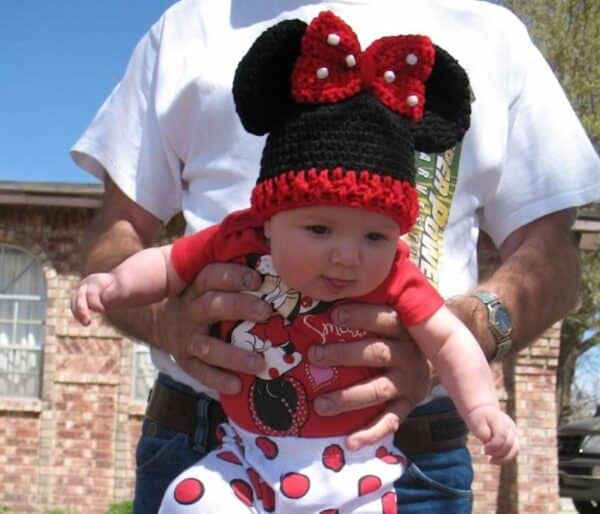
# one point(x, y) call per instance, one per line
point(498, 321)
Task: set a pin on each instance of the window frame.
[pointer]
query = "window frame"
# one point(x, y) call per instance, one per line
point(13, 321)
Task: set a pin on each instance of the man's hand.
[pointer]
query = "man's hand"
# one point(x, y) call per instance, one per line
point(181, 326)
point(404, 382)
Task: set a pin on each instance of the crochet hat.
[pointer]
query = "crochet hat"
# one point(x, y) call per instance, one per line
point(343, 123)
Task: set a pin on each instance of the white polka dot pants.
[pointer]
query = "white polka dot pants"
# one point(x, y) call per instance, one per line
point(253, 473)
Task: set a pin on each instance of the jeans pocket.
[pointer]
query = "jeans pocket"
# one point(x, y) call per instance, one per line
point(158, 452)
point(420, 479)
point(437, 483)
point(161, 456)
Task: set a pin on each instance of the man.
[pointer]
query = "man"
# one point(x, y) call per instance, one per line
point(168, 140)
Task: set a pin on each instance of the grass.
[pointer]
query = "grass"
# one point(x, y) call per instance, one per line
point(125, 507)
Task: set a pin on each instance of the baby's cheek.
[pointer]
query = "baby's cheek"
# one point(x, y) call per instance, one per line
point(294, 260)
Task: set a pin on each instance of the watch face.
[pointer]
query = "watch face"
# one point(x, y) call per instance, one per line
point(502, 321)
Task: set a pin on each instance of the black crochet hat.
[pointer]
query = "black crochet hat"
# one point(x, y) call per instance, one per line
point(343, 123)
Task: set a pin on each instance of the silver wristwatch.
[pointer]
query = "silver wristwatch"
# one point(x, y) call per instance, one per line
point(498, 321)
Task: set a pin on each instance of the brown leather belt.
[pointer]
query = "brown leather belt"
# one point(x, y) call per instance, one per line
point(177, 411)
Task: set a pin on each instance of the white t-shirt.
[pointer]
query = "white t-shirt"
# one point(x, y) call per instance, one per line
point(169, 136)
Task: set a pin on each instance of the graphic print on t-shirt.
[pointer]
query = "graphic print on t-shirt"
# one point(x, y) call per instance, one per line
point(277, 401)
point(435, 180)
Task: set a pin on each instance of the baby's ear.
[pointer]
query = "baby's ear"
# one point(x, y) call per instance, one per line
point(262, 82)
point(447, 106)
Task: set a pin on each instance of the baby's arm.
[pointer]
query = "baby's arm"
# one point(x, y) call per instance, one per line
point(465, 373)
point(144, 278)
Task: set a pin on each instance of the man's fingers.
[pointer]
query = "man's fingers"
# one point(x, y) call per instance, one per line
point(406, 374)
point(214, 352)
point(376, 391)
point(214, 306)
point(214, 378)
point(225, 277)
point(379, 320)
point(395, 413)
point(376, 353)
point(373, 353)
point(213, 362)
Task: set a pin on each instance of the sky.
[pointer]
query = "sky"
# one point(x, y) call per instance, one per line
point(59, 59)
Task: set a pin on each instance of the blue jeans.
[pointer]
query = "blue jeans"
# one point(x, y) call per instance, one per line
point(434, 483)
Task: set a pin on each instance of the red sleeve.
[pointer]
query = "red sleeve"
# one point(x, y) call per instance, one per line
point(192, 253)
point(238, 235)
point(410, 293)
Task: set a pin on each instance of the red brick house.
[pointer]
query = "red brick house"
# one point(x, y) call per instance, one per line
point(72, 398)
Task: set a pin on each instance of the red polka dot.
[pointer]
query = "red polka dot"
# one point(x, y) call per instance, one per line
point(273, 373)
point(368, 484)
point(188, 491)
point(388, 503)
point(268, 447)
point(229, 457)
point(268, 497)
point(289, 358)
point(333, 457)
point(243, 491)
point(386, 456)
point(255, 481)
point(330, 511)
point(295, 485)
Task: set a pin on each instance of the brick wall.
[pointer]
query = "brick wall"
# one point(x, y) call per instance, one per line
point(75, 446)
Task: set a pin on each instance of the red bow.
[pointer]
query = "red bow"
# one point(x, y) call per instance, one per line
point(332, 67)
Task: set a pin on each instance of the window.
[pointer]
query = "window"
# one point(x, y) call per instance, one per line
point(144, 372)
point(22, 323)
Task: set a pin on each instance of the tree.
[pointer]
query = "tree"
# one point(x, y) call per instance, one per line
point(568, 34)
point(580, 332)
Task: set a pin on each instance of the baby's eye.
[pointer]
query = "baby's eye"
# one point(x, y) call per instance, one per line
point(375, 236)
point(317, 229)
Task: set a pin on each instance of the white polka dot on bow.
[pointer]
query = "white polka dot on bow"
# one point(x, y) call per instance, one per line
point(333, 39)
point(411, 59)
point(322, 73)
point(412, 100)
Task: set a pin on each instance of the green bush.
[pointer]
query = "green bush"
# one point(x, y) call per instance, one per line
point(125, 507)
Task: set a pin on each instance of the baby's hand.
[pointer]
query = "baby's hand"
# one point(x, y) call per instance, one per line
point(88, 296)
point(496, 430)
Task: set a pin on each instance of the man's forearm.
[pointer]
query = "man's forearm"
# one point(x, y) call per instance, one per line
point(121, 229)
point(538, 281)
point(105, 252)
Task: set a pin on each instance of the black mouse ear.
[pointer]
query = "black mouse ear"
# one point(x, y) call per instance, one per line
point(262, 82)
point(447, 106)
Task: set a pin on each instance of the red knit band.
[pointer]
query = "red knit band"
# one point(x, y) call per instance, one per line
point(372, 191)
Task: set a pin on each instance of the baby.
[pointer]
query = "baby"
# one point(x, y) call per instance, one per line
point(334, 194)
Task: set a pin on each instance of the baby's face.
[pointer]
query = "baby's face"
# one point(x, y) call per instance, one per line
point(329, 253)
